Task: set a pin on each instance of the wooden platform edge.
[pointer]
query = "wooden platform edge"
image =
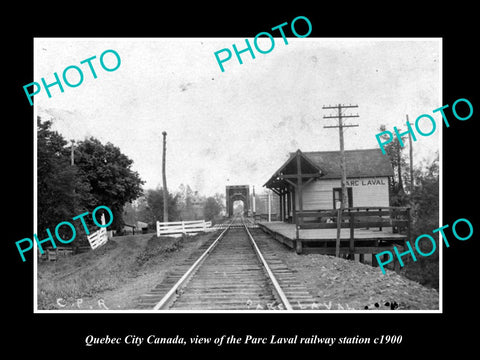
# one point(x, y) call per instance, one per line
point(290, 243)
point(298, 246)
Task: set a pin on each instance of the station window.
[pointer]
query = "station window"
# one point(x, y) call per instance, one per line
point(337, 197)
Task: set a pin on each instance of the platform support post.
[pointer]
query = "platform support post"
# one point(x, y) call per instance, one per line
point(396, 266)
point(298, 246)
point(339, 229)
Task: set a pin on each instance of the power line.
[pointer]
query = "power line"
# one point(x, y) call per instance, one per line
point(340, 127)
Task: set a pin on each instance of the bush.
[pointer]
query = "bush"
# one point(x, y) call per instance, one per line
point(425, 215)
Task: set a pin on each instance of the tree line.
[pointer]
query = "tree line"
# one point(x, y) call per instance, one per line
point(71, 182)
point(417, 187)
point(183, 205)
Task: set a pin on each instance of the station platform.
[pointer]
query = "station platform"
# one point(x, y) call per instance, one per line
point(366, 241)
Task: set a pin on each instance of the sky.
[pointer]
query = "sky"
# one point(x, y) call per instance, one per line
point(237, 127)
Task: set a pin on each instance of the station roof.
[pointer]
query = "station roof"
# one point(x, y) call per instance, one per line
point(359, 163)
point(326, 165)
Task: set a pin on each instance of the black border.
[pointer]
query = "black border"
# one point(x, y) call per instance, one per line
point(422, 333)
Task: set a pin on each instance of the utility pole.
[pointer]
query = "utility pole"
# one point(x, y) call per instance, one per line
point(269, 206)
point(341, 126)
point(165, 192)
point(253, 203)
point(72, 162)
point(400, 180)
point(411, 158)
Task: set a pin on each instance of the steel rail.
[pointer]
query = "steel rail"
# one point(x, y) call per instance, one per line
point(275, 283)
point(179, 283)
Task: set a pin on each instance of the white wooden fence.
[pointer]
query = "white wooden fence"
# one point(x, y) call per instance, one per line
point(182, 227)
point(99, 237)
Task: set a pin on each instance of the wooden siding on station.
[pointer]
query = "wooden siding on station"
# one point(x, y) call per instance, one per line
point(372, 191)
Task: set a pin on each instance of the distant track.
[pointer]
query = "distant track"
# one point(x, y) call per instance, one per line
point(235, 271)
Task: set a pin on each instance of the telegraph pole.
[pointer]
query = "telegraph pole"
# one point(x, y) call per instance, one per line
point(72, 163)
point(253, 203)
point(411, 158)
point(269, 206)
point(343, 169)
point(340, 127)
point(165, 192)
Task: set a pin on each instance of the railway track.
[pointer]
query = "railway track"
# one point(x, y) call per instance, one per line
point(234, 271)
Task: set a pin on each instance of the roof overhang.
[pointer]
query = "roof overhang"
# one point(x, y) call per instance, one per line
point(298, 166)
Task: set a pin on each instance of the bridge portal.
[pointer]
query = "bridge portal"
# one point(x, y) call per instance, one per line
point(238, 192)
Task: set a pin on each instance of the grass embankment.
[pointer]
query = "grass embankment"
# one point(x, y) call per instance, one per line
point(124, 262)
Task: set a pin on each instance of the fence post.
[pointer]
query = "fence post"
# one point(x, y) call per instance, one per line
point(352, 234)
point(380, 211)
point(368, 227)
point(339, 229)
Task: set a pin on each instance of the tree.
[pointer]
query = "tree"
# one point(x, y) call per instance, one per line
point(186, 199)
point(152, 209)
point(129, 214)
point(61, 191)
point(238, 207)
point(142, 212)
point(108, 172)
point(101, 175)
point(220, 198)
point(425, 215)
point(211, 208)
point(424, 202)
point(395, 154)
point(425, 196)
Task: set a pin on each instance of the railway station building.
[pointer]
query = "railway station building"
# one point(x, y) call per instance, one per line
point(308, 186)
point(312, 181)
